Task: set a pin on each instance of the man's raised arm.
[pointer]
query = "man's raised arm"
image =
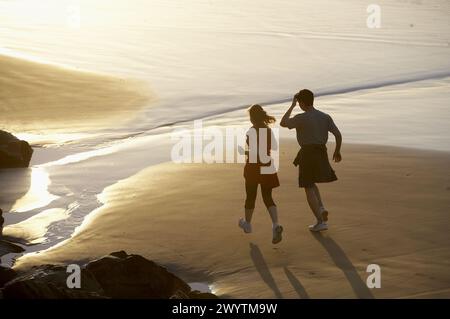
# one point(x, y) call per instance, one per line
point(287, 115)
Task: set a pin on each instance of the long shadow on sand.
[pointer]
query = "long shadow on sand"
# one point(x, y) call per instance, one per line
point(263, 269)
point(343, 262)
point(296, 284)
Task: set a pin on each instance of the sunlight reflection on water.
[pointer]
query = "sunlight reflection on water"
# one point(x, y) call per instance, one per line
point(34, 229)
point(37, 195)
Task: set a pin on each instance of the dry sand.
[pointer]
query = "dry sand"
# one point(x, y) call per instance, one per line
point(390, 207)
point(38, 97)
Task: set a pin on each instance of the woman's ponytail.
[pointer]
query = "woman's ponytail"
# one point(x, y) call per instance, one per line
point(259, 117)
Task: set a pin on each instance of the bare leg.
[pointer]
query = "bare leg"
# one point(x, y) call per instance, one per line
point(251, 191)
point(273, 212)
point(249, 214)
point(322, 210)
point(313, 202)
point(270, 204)
point(316, 190)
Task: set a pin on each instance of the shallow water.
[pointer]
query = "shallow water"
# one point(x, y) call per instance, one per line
point(212, 56)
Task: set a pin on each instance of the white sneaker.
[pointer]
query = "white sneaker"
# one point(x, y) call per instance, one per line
point(318, 227)
point(247, 227)
point(277, 231)
point(324, 214)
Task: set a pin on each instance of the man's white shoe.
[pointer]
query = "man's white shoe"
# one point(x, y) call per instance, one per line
point(247, 227)
point(318, 227)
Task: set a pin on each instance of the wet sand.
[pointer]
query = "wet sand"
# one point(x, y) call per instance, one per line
point(44, 98)
point(389, 207)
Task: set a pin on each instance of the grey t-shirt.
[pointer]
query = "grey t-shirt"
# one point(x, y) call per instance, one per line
point(312, 127)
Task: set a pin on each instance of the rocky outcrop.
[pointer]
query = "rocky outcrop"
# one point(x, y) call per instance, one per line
point(14, 153)
point(7, 247)
point(49, 282)
point(2, 221)
point(6, 274)
point(133, 276)
point(117, 275)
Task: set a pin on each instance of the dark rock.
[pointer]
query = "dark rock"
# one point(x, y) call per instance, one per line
point(6, 247)
point(2, 221)
point(201, 295)
point(14, 153)
point(49, 282)
point(193, 295)
point(6, 275)
point(118, 275)
point(119, 254)
point(133, 276)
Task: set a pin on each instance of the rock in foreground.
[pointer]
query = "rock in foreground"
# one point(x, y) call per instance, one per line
point(49, 282)
point(14, 153)
point(6, 274)
point(118, 275)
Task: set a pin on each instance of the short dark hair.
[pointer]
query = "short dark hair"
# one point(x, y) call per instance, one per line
point(306, 96)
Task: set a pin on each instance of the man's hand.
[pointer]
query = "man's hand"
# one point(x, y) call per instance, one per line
point(294, 100)
point(337, 156)
point(285, 119)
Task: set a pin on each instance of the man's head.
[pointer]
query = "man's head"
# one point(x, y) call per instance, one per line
point(305, 99)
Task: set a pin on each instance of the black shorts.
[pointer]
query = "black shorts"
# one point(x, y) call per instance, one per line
point(314, 166)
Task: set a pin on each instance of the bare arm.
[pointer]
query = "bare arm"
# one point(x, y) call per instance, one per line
point(271, 141)
point(287, 115)
point(338, 136)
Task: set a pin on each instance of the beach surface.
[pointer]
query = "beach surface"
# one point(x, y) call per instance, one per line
point(46, 99)
point(389, 207)
point(99, 91)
